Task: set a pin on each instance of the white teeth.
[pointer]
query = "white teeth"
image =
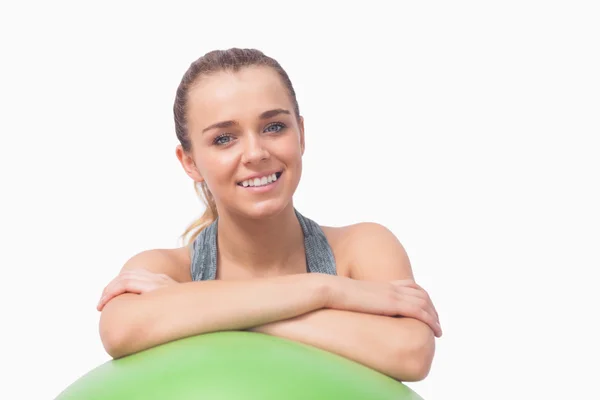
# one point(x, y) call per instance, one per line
point(260, 181)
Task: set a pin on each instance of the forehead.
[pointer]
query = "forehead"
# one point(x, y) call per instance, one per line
point(235, 95)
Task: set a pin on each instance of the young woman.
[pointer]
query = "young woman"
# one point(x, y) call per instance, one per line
point(253, 262)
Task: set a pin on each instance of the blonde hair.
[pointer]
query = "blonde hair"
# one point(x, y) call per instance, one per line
point(218, 60)
point(210, 214)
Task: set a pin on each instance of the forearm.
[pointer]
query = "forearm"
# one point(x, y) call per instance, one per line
point(131, 323)
point(402, 348)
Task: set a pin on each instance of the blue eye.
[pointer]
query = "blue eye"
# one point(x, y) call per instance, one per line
point(222, 140)
point(276, 124)
point(225, 138)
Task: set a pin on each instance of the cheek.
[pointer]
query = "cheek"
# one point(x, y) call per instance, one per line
point(291, 151)
point(217, 166)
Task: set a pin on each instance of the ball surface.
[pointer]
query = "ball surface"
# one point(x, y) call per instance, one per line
point(235, 366)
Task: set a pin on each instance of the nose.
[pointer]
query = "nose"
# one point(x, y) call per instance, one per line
point(254, 150)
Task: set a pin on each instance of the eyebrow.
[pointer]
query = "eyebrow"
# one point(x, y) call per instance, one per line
point(230, 123)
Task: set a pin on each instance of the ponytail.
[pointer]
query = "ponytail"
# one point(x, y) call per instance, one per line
point(210, 215)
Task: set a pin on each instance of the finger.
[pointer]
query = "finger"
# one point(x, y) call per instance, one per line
point(432, 306)
point(408, 284)
point(421, 299)
point(131, 275)
point(136, 281)
point(152, 277)
point(120, 286)
point(156, 276)
point(437, 328)
point(433, 323)
point(418, 308)
point(436, 313)
point(120, 277)
point(410, 291)
point(414, 311)
point(112, 282)
point(431, 303)
point(109, 295)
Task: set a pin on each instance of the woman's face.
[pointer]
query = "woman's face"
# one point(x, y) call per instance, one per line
point(247, 144)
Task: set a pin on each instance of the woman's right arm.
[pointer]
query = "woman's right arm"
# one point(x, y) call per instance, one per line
point(130, 322)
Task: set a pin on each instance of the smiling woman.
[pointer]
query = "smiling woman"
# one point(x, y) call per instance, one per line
point(252, 261)
point(240, 125)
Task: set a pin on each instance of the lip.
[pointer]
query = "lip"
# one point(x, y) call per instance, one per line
point(260, 175)
point(262, 189)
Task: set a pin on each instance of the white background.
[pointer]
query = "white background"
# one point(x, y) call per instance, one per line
point(470, 129)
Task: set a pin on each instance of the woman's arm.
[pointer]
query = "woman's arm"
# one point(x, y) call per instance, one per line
point(402, 348)
point(131, 322)
point(143, 307)
point(398, 347)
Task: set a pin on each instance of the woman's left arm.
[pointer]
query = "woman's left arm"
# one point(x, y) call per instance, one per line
point(402, 348)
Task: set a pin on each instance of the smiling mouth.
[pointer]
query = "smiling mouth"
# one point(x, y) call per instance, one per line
point(262, 181)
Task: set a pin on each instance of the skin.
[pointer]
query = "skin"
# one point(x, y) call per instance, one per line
point(260, 236)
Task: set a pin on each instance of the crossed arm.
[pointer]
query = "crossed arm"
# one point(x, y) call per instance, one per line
point(400, 347)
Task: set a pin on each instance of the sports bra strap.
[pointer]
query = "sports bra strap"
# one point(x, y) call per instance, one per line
point(319, 256)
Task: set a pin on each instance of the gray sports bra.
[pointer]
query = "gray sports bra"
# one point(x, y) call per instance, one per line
point(319, 256)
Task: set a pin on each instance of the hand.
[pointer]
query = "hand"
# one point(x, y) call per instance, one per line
point(136, 281)
point(397, 298)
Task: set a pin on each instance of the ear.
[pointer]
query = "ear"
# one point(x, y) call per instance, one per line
point(188, 164)
point(301, 126)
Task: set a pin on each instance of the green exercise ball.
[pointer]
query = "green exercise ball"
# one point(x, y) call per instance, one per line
point(235, 366)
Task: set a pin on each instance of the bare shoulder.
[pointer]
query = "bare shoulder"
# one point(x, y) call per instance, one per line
point(368, 250)
point(173, 262)
point(337, 238)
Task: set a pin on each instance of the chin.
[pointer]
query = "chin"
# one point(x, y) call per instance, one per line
point(264, 209)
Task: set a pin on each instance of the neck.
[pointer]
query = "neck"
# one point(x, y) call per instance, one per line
point(260, 245)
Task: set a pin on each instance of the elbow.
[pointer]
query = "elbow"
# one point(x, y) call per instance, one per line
point(418, 367)
point(114, 344)
point(114, 338)
point(413, 358)
point(116, 333)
